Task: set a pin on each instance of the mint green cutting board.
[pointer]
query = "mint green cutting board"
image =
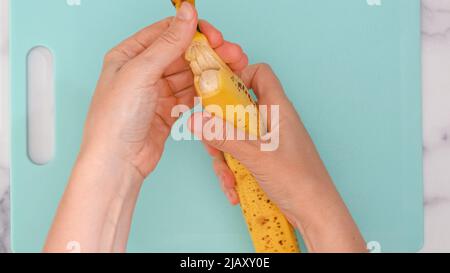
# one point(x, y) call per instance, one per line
point(352, 70)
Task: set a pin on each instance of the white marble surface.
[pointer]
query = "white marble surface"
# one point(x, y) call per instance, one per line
point(4, 132)
point(436, 83)
point(436, 89)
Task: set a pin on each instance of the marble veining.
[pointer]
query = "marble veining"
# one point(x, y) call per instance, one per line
point(4, 210)
point(4, 132)
point(436, 105)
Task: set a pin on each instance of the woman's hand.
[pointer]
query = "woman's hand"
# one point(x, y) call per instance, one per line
point(143, 78)
point(128, 124)
point(293, 175)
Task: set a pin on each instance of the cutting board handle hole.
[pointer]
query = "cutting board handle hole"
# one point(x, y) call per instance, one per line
point(40, 105)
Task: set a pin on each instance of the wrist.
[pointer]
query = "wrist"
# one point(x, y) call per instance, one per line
point(107, 170)
point(324, 220)
point(98, 204)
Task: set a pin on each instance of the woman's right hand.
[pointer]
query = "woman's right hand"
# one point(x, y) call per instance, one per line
point(293, 168)
point(292, 175)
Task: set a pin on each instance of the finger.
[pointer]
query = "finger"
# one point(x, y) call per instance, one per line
point(230, 194)
point(167, 97)
point(216, 40)
point(170, 45)
point(227, 180)
point(180, 81)
point(179, 65)
point(216, 132)
point(165, 103)
point(214, 36)
point(186, 96)
point(266, 85)
point(213, 152)
point(232, 197)
point(240, 65)
point(230, 52)
point(224, 173)
point(140, 41)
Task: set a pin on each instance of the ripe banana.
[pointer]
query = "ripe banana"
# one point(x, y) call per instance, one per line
point(218, 85)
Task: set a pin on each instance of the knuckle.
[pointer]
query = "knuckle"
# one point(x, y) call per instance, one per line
point(237, 48)
point(111, 56)
point(264, 67)
point(169, 37)
point(219, 143)
point(168, 19)
point(237, 51)
point(220, 35)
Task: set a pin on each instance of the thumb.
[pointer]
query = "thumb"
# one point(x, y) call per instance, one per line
point(223, 136)
point(172, 43)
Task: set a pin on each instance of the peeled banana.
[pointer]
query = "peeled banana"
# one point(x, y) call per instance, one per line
point(218, 85)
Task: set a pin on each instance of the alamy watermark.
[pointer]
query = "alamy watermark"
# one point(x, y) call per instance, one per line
point(229, 123)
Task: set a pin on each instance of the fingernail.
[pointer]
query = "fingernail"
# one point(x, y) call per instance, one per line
point(223, 180)
point(229, 196)
point(226, 183)
point(232, 196)
point(185, 12)
point(222, 183)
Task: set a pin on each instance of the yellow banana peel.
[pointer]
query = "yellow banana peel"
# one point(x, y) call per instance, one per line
point(218, 85)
